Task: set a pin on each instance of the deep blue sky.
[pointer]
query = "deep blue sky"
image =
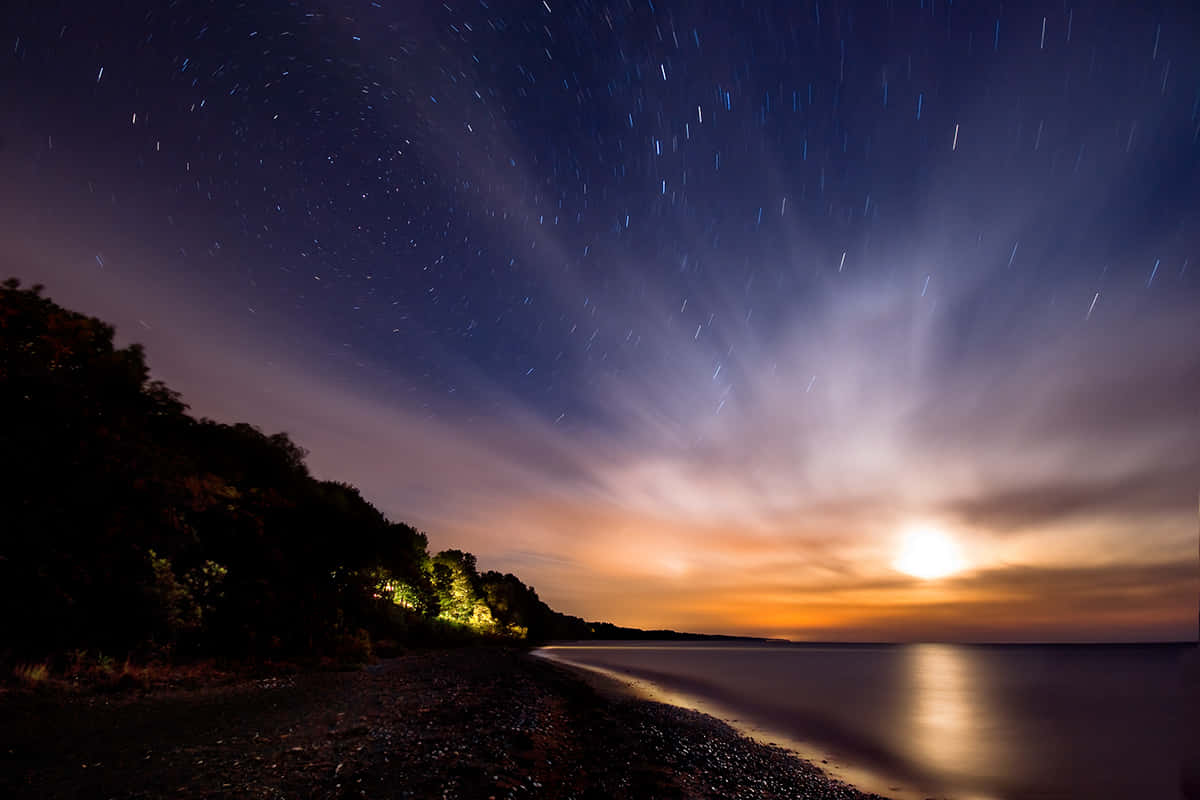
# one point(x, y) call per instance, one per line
point(543, 277)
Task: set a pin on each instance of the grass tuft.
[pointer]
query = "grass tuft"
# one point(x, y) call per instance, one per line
point(31, 674)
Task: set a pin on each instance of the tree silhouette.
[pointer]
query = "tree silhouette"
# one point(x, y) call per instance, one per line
point(131, 525)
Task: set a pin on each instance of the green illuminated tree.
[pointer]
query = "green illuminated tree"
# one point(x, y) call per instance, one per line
point(457, 586)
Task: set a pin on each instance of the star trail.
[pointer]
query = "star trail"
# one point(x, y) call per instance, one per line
point(676, 309)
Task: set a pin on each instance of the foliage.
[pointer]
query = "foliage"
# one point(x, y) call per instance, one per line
point(185, 603)
point(456, 584)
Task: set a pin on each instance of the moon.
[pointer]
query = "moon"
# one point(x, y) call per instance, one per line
point(928, 553)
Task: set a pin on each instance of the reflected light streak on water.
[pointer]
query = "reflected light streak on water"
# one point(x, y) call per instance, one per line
point(942, 724)
point(944, 720)
point(950, 725)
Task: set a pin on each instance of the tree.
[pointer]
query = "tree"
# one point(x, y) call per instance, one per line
point(456, 584)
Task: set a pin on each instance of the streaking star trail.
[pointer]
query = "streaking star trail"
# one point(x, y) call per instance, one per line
point(515, 269)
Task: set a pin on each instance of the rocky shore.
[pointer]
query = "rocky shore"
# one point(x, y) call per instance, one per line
point(466, 723)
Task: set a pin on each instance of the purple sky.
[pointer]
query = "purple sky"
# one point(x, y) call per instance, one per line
point(685, 317)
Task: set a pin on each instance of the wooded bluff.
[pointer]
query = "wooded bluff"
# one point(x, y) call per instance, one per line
point(132, 527)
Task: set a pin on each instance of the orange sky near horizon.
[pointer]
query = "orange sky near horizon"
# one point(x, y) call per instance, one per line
point(676, 359)
point(782, 518)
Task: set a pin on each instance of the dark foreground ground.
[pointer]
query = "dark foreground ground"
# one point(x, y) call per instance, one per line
point(471, 723)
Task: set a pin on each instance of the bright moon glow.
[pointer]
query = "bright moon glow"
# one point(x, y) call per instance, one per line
point(928, 554)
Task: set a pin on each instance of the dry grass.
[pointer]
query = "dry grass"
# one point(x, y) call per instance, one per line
point(81, 671)
point(31, 675)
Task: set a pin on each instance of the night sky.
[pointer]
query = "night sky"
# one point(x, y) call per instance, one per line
point(682, 311)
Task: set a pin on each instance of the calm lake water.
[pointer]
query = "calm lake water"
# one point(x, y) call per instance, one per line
point(938, 720)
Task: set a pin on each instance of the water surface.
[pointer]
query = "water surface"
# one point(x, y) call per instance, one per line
point(957, 721)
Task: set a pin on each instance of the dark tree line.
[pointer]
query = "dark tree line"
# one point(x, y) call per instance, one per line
point(129, 525)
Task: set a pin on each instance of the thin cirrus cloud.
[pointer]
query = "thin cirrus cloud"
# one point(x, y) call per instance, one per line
point(754, 478)
point(1066, 507)
point(1068, 472)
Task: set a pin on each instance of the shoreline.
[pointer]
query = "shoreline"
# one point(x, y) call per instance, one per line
point(467, 723)
point(863, 778)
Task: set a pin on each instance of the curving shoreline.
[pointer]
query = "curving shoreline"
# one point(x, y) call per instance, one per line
point(649, 687)
point(469, 723)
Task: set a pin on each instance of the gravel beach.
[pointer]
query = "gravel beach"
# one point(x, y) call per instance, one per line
point(465, 723)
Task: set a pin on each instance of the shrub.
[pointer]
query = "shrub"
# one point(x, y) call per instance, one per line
point(353, 647)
